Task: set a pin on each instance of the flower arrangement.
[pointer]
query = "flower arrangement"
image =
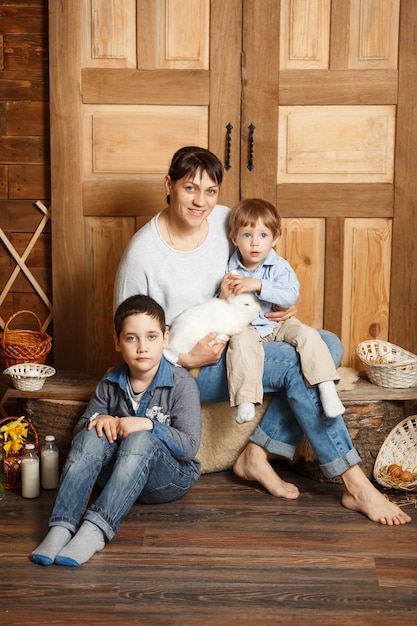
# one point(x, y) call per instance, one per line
point(14, 435)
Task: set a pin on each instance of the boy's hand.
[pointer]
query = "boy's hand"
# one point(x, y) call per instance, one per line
point(237, 284)
point(106, 424)
point(128, 425)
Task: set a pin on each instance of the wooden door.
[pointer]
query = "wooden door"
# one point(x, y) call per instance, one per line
point(130, 84)
point(320, 106)
point(334, 121)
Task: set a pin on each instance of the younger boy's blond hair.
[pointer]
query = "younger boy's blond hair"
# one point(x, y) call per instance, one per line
point(248, 211)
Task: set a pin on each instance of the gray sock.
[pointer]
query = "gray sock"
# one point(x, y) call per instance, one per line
point(87, 541)
point(54, 541)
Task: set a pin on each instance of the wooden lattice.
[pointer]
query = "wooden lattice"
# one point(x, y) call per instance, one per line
point(22, 267)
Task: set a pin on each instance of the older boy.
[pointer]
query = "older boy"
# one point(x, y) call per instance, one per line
point(138, 438)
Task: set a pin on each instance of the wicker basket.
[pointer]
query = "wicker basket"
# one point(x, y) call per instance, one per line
point(388, 365)
point(29, 376)
point(24, 346)
point(400, 447)
point(12, 473)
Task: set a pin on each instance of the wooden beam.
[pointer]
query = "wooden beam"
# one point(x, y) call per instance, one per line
point(132, 86)
point(334, 199)
point(302, 87)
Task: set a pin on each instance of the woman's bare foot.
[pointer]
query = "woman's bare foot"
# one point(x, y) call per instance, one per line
point(360, 495)
point(252, 464)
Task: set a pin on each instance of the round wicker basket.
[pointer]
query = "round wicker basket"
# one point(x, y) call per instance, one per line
point(24, 346)
point(29, 376)
point(388, 365)
point(400, 447)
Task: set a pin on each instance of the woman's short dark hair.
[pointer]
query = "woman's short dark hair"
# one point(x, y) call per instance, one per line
point(191, 159)
point(138, 304)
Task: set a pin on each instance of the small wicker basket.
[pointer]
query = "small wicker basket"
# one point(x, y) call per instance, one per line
point(400, 447)
point(24, 346)
point(12, 470)
point(29, 376)
point(388, 365)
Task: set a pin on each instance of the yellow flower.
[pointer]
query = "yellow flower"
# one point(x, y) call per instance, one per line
point(14, 435)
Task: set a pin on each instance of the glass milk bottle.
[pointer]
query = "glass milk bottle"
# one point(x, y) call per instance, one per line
point(30, 472)
point(49, 464)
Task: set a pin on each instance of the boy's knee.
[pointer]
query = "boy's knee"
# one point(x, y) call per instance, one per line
point(141, 442)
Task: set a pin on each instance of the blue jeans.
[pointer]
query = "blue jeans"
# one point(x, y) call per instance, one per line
point(294, 409)
point(138, 468)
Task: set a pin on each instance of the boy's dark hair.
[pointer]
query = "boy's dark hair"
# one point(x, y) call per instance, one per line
point(138, 304)
point(191, 159)
point(248, 211)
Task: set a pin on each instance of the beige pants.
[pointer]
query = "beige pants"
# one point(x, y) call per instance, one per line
point(245, 359)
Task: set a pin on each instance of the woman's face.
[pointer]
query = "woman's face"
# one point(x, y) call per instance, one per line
point(193, 197)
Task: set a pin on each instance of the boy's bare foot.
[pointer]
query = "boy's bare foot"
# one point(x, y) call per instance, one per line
point(360, 495)
point(252, 464)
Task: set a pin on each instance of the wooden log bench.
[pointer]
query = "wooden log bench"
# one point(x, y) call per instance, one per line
point(371, 413)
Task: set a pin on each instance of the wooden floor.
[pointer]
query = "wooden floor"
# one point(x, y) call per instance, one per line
point(228, 553)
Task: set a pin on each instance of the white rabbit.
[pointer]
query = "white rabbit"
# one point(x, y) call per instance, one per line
point(225, 317)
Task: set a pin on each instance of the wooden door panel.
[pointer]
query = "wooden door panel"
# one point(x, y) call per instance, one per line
point(303, 241)
point(105, 242)
point(139, 140)
point(109, 33)
point(334, 97)
point(336, 144)
point(367, 255)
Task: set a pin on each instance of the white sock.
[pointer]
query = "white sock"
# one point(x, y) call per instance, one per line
point(332, 406)
point(87, 541)
point(55, 540)
point(245, 412)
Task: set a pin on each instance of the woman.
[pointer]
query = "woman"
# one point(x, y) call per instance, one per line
point(179, 259)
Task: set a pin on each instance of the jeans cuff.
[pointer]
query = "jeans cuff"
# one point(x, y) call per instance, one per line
point(274, 447)
point(340, 465)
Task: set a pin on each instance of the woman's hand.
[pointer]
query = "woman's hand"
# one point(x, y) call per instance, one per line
point(282, 315)
point(203, 353)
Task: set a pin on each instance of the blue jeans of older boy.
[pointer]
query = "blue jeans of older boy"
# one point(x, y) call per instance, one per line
point(138, 468)
point(294, 409)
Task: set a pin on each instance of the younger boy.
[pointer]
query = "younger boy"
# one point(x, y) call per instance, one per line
point(138, 438)
point(254, 228)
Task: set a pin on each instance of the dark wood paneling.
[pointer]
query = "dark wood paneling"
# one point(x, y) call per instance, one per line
point(22, 51)
point(30, 181)
point(26, 118)
point(31, 85)
point(24, 17)
point(23, 149)
point(4, 182)
point(21, 216)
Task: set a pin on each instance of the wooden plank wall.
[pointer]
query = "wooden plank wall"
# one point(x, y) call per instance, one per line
point(24, 157)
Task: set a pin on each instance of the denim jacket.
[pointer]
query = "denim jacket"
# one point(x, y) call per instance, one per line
point(172, 402)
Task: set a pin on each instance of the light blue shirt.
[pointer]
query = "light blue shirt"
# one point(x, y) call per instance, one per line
point(280, 286)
